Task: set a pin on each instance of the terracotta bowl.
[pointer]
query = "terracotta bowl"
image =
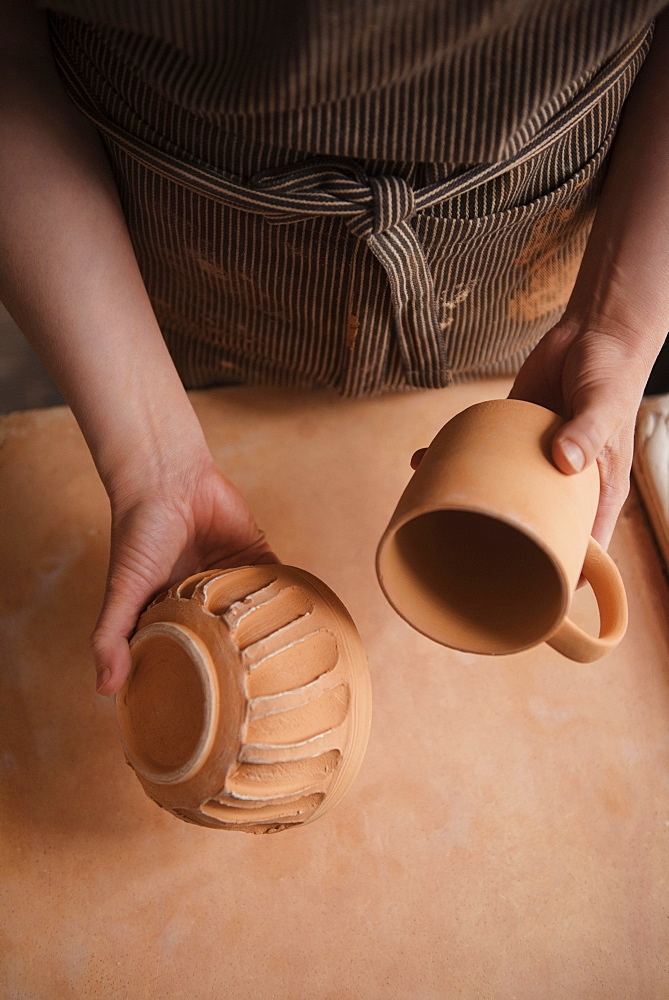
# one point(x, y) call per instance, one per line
point(248, 705)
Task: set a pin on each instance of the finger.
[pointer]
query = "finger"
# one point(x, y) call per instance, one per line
point(267, 557)
point(257, 552)
point(112, 660)
point(262, 552)
point(126, 597)
point(614, 472)
point(582, 439)
point(417, 458)
point(614, 457)
point(611, 503)
point(601, 430)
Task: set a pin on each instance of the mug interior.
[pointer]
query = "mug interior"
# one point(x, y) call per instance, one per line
point(472, 582)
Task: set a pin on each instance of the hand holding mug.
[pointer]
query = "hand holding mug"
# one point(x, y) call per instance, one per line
point(489, 539)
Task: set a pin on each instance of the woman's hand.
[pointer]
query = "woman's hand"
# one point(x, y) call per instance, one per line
point(594, 378)
point(172, 525)
point(593, 366)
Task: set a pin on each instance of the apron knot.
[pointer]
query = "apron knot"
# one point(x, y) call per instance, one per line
point(392, 202)
point(378, 211)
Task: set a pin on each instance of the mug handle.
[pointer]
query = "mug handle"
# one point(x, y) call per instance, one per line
point(602, 574)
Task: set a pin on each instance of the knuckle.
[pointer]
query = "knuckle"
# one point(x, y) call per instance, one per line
point(597, 431)
point(100, 636)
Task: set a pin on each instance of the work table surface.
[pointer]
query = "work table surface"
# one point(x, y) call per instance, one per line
point(507, 836)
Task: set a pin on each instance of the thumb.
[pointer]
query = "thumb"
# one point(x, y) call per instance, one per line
point(581, 440)
point(125, 598)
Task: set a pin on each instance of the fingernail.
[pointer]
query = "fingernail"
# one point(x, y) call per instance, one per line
point(574, 454)
point(103, 676)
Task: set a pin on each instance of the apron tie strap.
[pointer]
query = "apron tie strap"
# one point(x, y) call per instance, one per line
point(377, 210)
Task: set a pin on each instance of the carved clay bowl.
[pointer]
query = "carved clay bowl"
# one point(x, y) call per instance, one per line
point(248, 705)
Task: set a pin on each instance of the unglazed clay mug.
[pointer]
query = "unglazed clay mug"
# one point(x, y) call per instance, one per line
point(489, 539)
point(248, 705)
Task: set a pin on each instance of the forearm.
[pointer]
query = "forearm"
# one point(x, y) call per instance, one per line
point(69, 275)
point(623, 282)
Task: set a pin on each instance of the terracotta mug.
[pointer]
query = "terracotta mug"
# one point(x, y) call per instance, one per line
point(248, 705)
point(489, 539)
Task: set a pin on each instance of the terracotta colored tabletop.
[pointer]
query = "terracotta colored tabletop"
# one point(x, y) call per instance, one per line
point(507, 837)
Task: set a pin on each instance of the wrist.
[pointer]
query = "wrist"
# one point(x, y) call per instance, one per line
point(151, 450)
point(630, 344)
point(607, 296)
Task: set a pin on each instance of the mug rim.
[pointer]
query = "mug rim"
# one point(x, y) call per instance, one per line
point(565, 590)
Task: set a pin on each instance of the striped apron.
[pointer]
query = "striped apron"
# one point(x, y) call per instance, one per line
point(280, 267)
